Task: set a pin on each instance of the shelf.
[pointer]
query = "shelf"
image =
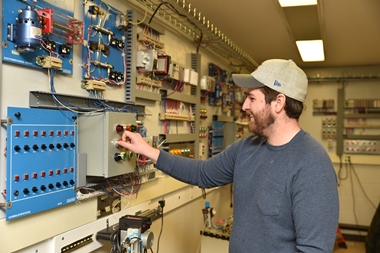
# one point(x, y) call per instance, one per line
point(180, 97)
point(147, 95)
point(223, 118)
point(180, 117)
point(362, 116)
point(361, 137)
point(175, 138)
point(363, 126)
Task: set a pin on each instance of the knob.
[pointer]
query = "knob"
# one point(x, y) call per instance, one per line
point(17, 114)
point(17, 148)
point(34, 189)
point(58, 184)
point(120, 156)
point(72, 182)
point(26, 147)
point(26, 191)
point(43, 187)
point(59, 145)
point(51, 186)
point(35, 147)
point(72, 145)
point(65, 183)
point(43, 146)
point(51, 146)
point(65, 145)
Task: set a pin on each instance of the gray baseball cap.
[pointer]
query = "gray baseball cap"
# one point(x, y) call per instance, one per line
point(283, 76)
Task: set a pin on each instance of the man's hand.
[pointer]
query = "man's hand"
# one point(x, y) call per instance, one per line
point(135, 143)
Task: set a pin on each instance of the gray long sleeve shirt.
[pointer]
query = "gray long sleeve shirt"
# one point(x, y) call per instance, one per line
point(285, 197)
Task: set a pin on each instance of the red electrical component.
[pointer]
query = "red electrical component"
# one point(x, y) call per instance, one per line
point(119, 128)
point(61, 25)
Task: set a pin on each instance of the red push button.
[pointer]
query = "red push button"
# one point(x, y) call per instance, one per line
point(43, 133)
point(26, 176)
point(17, 178)
point(17, 133)
point(43, 173)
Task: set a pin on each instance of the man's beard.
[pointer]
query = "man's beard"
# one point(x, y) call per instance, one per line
point(262, 120)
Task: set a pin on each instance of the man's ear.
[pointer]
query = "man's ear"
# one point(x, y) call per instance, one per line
point(280, 102)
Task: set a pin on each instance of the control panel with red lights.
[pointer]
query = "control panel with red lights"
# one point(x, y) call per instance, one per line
point(98, 138)
point(41, 160)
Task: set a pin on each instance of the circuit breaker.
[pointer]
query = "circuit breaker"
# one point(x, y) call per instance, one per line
point(41, 160)
point(98, 138)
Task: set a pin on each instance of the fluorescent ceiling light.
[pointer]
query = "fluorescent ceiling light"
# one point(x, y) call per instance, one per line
point(289, 3)
point(311, 50)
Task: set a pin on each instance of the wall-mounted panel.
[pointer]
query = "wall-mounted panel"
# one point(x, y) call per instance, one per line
point(41, 160)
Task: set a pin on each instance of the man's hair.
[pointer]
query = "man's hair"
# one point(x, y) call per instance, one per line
point(293, 108)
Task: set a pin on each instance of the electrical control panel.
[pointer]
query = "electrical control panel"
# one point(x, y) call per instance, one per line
point(368, 147)
point(104, 55)
point(182, 149)
point(41, 160)
point(98, 138)
point(31, 37)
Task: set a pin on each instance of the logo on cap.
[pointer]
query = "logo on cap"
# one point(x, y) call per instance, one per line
point(276, 83)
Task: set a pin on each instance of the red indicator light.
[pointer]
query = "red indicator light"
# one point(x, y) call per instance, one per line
point(65, 170)
point(43, 174)
point(119, 128)
point(35, 133)
point(65, 132)
point(17, 178)
point(34, 175)
point(26, 133)
point(43, 133)
point(72, 132)
point(71, 169)
point(17, 133)
point(26, 176)
point(51, 173)
point(58, 172)
point(51, 133)
point(59, 133)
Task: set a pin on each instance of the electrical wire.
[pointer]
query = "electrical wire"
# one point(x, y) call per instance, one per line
point(159, 235)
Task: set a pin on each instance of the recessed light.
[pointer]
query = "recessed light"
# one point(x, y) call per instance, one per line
point(289, 3)
point(311, 50)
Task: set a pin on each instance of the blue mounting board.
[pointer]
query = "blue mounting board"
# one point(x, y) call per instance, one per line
point(11, 53)
point(41, 160)
point(105, 44)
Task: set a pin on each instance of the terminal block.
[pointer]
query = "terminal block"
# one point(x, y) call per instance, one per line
point(93, 85)
point(49, 62)
point(142, 37)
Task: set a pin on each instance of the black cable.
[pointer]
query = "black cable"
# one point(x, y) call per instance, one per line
point(204, 194)
point(162, 204)
point(159, 235)
point(155, 11)
point(200, 42)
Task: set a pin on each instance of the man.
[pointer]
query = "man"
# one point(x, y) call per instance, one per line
point(285, 187)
